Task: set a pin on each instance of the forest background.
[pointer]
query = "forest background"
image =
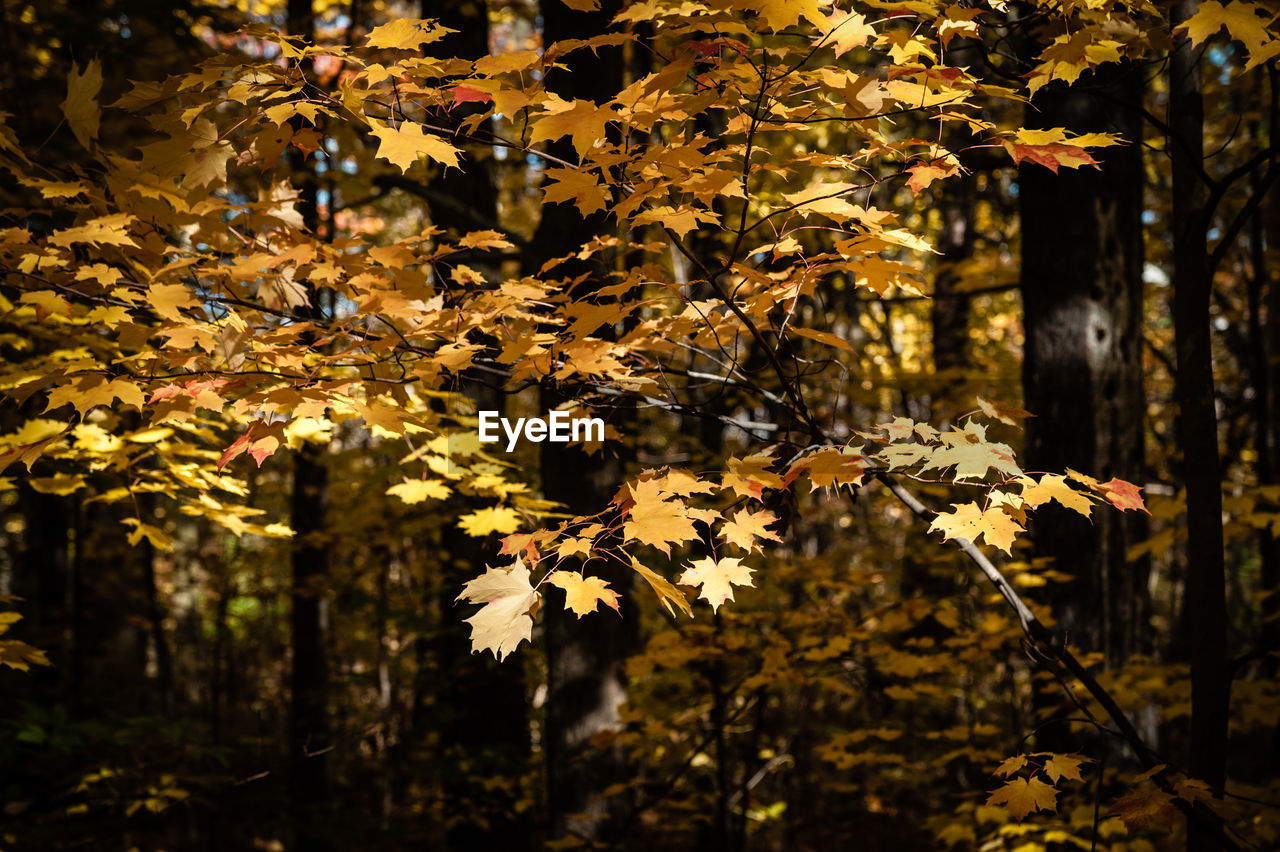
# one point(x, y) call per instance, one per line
point(937, 344)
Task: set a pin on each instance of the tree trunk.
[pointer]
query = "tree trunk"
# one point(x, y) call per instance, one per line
point(949, 310)
point(311, 809)
point(493, 746)
point(1269, 430)
point(1197, 424)
point(1082, 370)
point(585, 680)
point(310, 794)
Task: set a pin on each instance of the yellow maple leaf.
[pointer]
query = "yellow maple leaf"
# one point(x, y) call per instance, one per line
point(780, 14)
point(972, 454)
point(574, 546)
point(417, 490)
point(716, 578)
point(681, 220)
point(670, 596)
point(657, 522)
point(169, 299)
point(500, 519)
point(504, 620)
point(583, 594)
point(1010, 765)
point(401, 146)
point(748, 477)
point(580, 187)
point(110, 230)
point(62, 484)
point(1061, 766)
point(683, 483)
point(1240, 18)
point(81, 105)
point(1054, 487)
point(971, 521)
point(88, 392)
point(829, 467)
point(746, 526)
point(406, 34)
point(582, 120)
point(1023, 796)
point(845, 31)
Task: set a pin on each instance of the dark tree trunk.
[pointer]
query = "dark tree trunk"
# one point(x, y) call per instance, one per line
point(949, 310)
point(1264, 326)
point(1082, 369)
point(478, 747)
point(1269, 434)
point(1198, 425)
point(310, 790)
point(585, 680)
point(311, 810)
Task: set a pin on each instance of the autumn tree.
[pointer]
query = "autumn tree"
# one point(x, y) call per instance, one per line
point(322, 251)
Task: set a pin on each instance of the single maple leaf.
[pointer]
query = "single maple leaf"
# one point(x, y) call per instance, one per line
point(417, 490)
point(467, 94)
point(1010, 765)
point(1061, 766)
point(682, 483)
point(824, 337)
point(401, 146)
point(406, 34)
point(81, 105)
point(780, 14)
point(748, 477)
point(716, 578)
point(1051, 156)
point(829, 467)
point(62, 484)
point(671, 597)
point(1147, 807)
point(746, 526)
point(527, 542)
point(1054, 487)
point(259, 440)
point(680, 220)
point(1124, 495)
point(582, 120)
point(1010, 415)
point(110, 230)
point(1240, 19)
point(583, 594)
point(573, 546)
point(1022, 796)
point(501, 519)
point(579, 186)
point(972, 454)
point(656, 521)
point(969, 520)
point(845, 30)
point(504, 621)
point(923, 174)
